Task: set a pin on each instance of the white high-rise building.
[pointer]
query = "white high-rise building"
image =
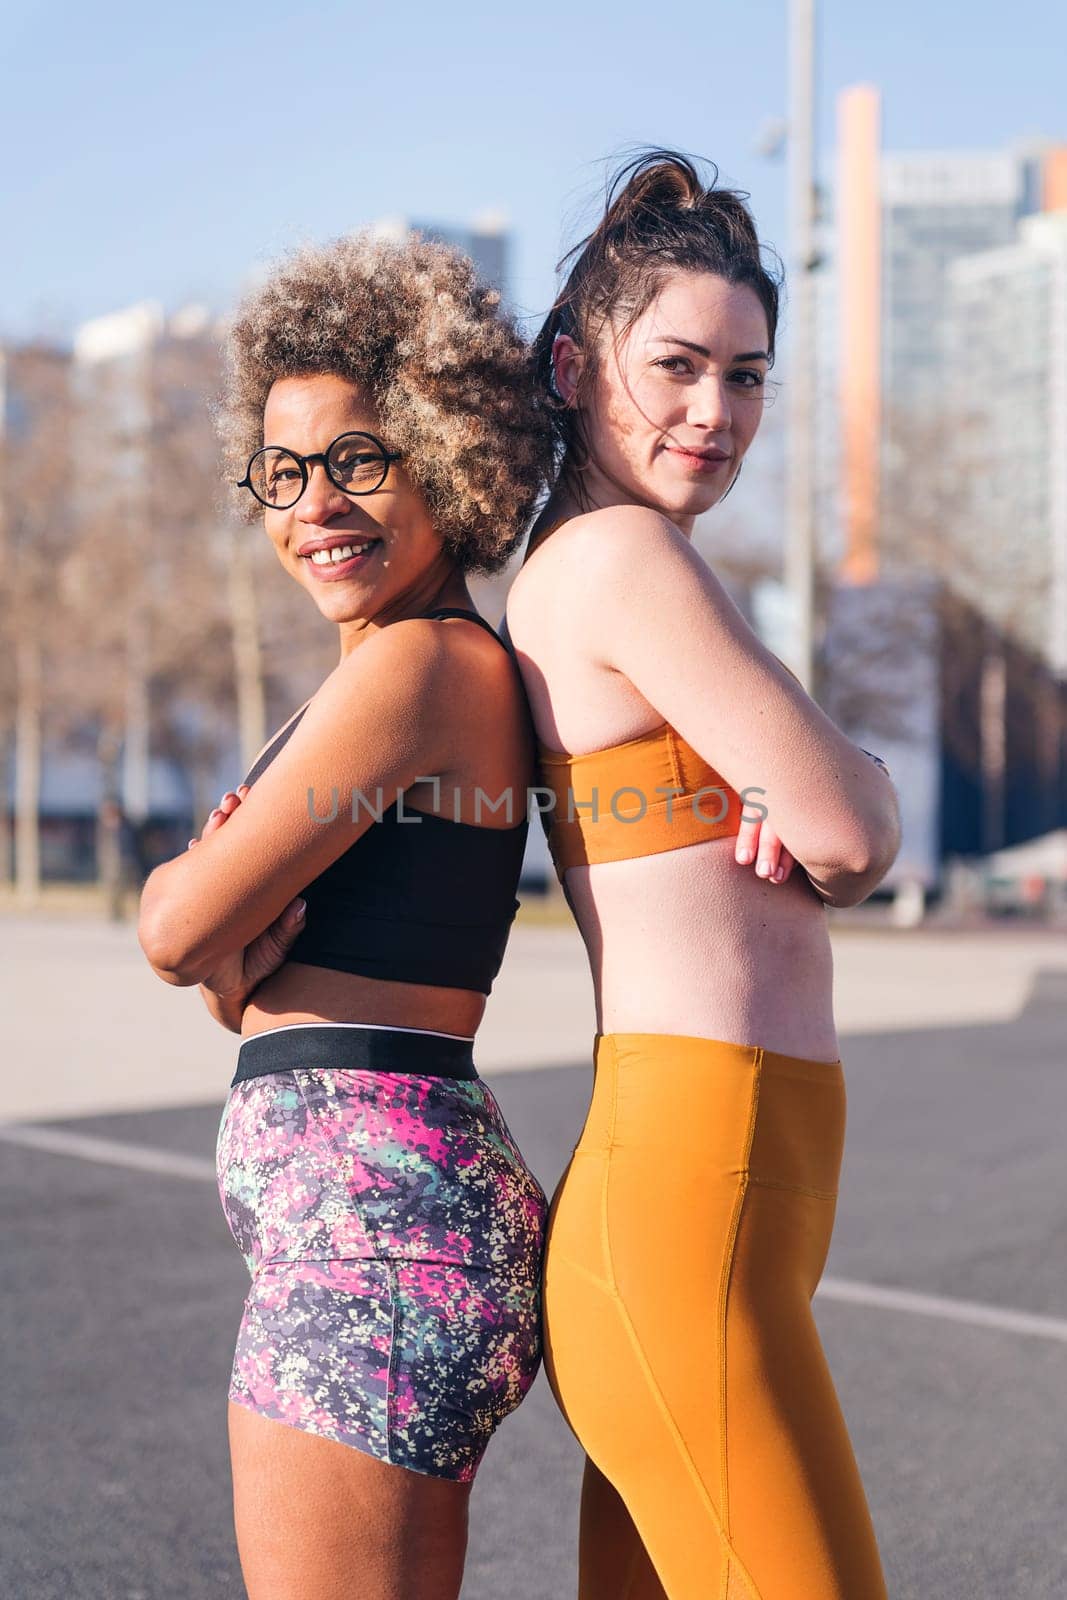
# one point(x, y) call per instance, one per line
point(936, 208)
point(1007, 348)
point(962, 286)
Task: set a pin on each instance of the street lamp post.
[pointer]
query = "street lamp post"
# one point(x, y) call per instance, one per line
point(800, 448)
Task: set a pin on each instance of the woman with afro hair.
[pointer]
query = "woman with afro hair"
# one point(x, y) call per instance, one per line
point(346, 910)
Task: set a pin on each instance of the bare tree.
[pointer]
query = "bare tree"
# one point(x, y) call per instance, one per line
point(34, 494)
point(146, 580)
point(948, 514)
point(139, 619)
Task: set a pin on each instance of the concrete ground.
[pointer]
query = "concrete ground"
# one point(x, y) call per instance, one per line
point(93, 1029)
point(943, 1309)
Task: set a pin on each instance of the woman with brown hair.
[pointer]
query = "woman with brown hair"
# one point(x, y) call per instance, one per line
point(346, 911)
point(691, 1227)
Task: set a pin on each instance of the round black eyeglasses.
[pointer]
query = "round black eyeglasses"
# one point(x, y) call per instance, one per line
point(356, 463)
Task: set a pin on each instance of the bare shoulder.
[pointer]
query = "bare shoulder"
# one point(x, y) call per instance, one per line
point(395, 702)
point(412, 662)
point(607, 534)
point(591, 551)
point(435, 664)
point(400, 658)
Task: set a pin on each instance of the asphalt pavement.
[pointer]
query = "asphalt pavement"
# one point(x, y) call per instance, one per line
point(123, 1292)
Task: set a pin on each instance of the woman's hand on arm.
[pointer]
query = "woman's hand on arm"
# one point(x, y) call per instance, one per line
point(653, 610)
point(757, 843)
point(379, 722)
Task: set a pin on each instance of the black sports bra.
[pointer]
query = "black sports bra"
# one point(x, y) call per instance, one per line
point(430, 901)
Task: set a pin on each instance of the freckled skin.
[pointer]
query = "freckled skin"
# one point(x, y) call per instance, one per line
point(745, 958)
point(639, 408)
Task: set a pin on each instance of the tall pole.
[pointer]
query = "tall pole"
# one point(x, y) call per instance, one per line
point(800, 449)
point(859, 270)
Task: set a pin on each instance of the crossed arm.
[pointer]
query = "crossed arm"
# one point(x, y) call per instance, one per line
point(649, 606)
point(227, 991)
point(388, 696)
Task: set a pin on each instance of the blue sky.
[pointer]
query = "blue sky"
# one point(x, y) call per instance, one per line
point(164, 152)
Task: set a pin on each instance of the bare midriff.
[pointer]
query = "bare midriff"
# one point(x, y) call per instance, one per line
point(683, 939)
point(301, 993)
point(689, 941)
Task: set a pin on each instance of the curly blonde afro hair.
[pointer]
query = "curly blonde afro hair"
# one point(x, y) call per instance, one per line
point(446, 368)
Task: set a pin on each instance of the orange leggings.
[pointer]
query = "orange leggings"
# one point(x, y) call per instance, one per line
point(685, 1242)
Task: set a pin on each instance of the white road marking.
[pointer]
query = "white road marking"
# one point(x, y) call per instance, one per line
point(109, 1152)
point(146, 1158)
point(949, 1310)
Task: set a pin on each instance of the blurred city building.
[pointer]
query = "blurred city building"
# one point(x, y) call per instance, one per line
point(936, 207)
point(1007, 366)
point(949, 292)
point(487, 242)
point(941, 486)
point(139, 642)
point(946, 624)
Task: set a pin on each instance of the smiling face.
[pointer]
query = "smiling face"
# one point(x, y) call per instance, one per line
point(677, 399)
point(397, 562)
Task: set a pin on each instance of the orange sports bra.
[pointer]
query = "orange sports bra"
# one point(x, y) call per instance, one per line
point(649, 794)
point(635, 799)
point(638, 798)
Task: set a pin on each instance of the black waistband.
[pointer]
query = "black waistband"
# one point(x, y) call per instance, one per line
point(354, 1049)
